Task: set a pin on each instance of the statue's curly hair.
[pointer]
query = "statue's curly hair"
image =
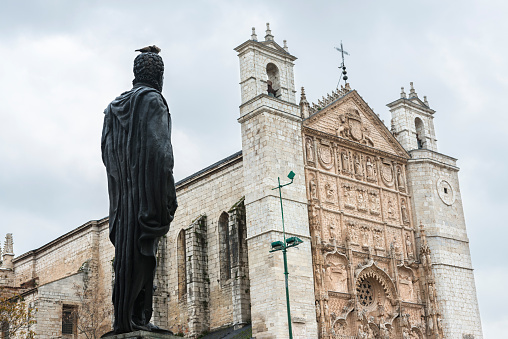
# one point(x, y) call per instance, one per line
point(149, 68)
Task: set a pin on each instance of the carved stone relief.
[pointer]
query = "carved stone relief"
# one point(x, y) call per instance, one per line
point(361, 194)
point(365, 230)
point(401, 182)
point(371, 172)
point(407, 285)
point(397, 247)
point(378, 238)
point(314, 217)
point(387, 173)
point(345, 163)
point(358, 166)
point(309, 151)
point(374, 203)
point(409, 248)
point(325, 154)
point(335, 273)
point(352, 231)
point(313, 187)
point(390, 207)
point(403, 211)
point(349, 196)
point(332, 226)
point(351, 127)
point(328, 189)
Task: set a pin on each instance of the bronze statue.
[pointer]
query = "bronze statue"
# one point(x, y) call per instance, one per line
point(137, 153)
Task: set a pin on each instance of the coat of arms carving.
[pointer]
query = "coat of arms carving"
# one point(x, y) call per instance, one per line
point(351, 127)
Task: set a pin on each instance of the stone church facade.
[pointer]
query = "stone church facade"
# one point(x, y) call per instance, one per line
point(385, 250)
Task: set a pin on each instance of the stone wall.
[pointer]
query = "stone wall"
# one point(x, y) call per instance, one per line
point(210, 194)
point(430, 173)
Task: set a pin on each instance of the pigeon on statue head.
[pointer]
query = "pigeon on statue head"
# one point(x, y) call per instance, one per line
point(152, 49)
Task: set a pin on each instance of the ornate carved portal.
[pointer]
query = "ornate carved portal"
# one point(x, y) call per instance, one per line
point(367, 270)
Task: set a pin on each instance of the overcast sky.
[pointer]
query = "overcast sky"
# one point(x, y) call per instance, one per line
point(62, 62)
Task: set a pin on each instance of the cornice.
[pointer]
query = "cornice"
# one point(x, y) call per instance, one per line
point(405, 101)
point(242, 48)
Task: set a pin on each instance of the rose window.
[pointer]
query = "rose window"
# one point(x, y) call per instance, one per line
point(365, 293)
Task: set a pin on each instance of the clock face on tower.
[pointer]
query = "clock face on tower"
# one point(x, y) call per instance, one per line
point(445, 191)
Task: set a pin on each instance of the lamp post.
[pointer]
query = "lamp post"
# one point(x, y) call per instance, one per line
point(283, 246)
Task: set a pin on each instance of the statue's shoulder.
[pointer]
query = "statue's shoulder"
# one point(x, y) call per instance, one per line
point(152, 95)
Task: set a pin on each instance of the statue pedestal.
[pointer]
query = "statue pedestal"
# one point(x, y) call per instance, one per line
point(143, 335)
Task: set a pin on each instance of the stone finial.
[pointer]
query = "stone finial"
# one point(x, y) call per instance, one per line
point(425, 101)
point(412, 92)
point(402, 93)
point(8, 248)
point(304, 105)
point(392, 123)
point(268, 36)
point(254, 35)
point(286, 45)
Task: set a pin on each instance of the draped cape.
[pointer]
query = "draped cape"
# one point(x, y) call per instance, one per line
point(137, 153)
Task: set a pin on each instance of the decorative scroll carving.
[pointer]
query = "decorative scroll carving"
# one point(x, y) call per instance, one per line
point(325, 154)
point(309, 150)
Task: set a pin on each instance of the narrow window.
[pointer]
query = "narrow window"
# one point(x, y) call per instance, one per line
point(182, 266)
point(69, 319)
point(273, 81)
point(446, 190)
point(225, 252)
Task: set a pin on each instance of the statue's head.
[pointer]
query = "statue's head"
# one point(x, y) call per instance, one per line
point(149, 69)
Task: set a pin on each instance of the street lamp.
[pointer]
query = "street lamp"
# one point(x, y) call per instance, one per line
point(283, 246)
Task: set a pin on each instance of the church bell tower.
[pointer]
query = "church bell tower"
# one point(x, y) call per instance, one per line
point(272, 147)
point(434, 185)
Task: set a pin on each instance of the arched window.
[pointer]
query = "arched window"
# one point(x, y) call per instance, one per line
point(420, 133)
point(273, 80)
point(225, 251)
point(181, 263)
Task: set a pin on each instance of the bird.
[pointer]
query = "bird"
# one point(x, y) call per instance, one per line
point(152, 49)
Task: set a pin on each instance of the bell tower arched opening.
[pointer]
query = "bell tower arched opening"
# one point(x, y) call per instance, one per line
point(273, 81)
point(420, 133)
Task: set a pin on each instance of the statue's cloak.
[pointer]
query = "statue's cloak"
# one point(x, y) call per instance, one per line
point(137, 153)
